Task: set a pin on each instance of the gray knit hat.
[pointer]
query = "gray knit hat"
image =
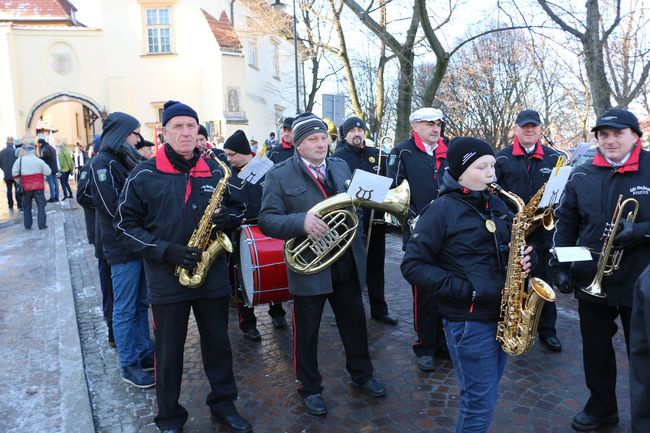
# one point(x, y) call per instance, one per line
point(305, 125)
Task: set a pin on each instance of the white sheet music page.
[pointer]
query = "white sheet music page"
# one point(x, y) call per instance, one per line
point(369, 186)
point(572, 254)
point(255, 169)
point(555, 186)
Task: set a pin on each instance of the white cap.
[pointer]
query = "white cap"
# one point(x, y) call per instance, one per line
point(427, 114)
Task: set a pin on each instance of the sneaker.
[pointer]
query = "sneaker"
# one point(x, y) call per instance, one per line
point(134, 375)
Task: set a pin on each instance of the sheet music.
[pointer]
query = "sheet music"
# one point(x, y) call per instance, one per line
point(255, 169)
point(369, 186)
point(572, 254)
point(555, 186)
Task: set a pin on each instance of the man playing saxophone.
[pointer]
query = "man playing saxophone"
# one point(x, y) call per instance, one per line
point(291, 188)
point(459, 253)
point(619, 168)
point(161, 208)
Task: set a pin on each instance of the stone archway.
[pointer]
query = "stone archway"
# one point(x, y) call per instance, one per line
point(44, 103)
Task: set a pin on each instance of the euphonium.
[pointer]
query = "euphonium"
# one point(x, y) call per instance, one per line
point(311, 256)
point(605, 266)
point(211, 249)
point(520, 309)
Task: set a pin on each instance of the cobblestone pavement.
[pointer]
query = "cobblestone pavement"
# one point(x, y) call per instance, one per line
point(540, 391)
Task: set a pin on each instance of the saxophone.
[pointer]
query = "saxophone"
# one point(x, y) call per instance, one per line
point(520, 309)
point(211, 249)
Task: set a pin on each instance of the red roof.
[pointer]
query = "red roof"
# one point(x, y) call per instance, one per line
point(223, 31)
point(36, 10)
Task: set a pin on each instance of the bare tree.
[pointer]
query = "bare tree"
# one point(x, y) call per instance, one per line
point(593, 34)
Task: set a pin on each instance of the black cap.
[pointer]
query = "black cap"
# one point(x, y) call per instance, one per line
point(203, 131)
point(463, 151)
point(351, 122)
point(238, 143)
point(143, 143)
point(528, 116)
point(617, 118)
point(288, 121)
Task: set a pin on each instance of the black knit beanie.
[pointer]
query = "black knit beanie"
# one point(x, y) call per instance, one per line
point(238, 142)
point(203, 131)
point(463, 151)
point(351, 122)
point(305, 125)
point(175, 108)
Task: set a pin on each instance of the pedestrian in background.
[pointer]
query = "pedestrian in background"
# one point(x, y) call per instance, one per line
point(48, 154)
point(67, 166)
point(7, 159)
point(29, 171)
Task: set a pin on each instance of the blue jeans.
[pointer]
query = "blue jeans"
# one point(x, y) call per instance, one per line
point(53, 185)
point(130, 314)
point(479, 363)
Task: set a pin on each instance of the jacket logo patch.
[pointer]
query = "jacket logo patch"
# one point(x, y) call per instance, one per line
point(83, 175)
point(640, 190)
point(209, 189)
point(545, 170)
point(392, 159)
point(102, 174)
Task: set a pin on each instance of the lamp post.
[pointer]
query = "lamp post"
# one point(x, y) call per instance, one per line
point(281, 6)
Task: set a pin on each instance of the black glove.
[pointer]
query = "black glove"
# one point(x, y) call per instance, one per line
point(182, 255)
point(625, 236)
point(562, 281)
point(221, 220)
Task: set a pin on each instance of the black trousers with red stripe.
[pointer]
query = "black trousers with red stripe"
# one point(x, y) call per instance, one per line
point(427, 323)
point(170, 329)
point(350, 317)
point(375, 270)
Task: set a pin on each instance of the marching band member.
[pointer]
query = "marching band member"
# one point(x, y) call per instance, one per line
point(239, 153)
point(204, 145)
point(291, 188)
point(159, 208)
point(640, 354)
point(620, 167)
point(422, 160)
point(456, 253)
point(353, 150)
point(286, 148)
point(523, 168)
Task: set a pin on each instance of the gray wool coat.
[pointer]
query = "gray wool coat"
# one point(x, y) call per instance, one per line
point(289, 192)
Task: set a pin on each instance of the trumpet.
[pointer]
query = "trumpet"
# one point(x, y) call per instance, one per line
point(609, 261)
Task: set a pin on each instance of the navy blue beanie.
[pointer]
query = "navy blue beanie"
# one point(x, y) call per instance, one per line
point(463, 151)
point(175, 108)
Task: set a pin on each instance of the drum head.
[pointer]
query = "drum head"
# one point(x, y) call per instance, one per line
point(246, 263)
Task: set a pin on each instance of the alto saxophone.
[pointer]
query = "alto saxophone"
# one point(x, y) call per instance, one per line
point(211, 249)
point(520, 309)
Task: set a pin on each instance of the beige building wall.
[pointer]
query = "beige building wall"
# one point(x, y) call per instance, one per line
point(109, 68)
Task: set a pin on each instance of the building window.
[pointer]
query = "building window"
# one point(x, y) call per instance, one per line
point(158, 31)
point(276, 61)
point(252, 52)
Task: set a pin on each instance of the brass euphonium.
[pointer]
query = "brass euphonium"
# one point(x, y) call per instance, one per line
point(313, 255)
point(609, 261)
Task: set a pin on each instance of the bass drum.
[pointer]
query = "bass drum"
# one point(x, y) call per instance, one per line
point(263, 270)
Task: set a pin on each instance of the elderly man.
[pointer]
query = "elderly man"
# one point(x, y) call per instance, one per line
point(158, 226)
point(7, 159)
point(619, 168)
point(523, 168)
point(422, 160)
point(292, 187)
point(30, 171)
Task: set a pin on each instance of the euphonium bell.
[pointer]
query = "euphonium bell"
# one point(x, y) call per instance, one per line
point(310, 256)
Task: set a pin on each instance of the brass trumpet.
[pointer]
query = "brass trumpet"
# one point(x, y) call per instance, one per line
point(313, 255)
point(608, 265)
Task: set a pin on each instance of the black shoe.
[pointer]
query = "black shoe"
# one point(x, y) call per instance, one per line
point(585, 422)
point(385, 319)
point(551, 342)
point(315, 405)
point(64, 197)
point(279, 322)
point(236, 423)
point(425, 363)
point(43, 228)
point(52, 200)
point(371, 388)
point(253, 334)
point(111, 337)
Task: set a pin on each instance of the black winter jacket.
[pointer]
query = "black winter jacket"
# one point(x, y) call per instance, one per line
point(7, 159)
point(48, 154)
point(639, 354)
point(281, 153)
point(365, 159)
point(452, 253)
point(160, 205)
point(108, 176)
point(588, 205)
point(250, 195)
